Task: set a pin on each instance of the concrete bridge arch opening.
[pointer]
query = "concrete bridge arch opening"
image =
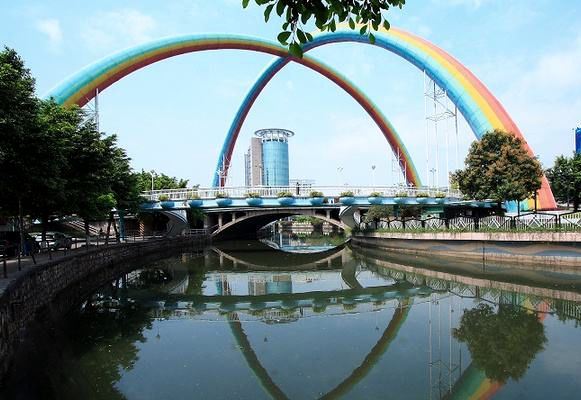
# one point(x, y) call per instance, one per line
point(245, 224)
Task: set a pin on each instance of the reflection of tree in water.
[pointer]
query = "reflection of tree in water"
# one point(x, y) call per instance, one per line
point(104, 347)
point(502, 344)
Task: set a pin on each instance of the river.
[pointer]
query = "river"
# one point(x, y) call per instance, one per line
point(244, 321)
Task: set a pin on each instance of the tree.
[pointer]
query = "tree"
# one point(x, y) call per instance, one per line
point(20, 148)
point(565, 179)
point(160, 181)
point(376, 212)
point(502, 344)
point(498, 167)
point(363, 15)
point(56, 125)
point(27, 172)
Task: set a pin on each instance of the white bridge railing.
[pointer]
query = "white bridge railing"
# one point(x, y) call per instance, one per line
point(297, 191)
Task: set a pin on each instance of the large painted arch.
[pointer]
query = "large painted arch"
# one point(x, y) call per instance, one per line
point(81, 87)
point(480, 108)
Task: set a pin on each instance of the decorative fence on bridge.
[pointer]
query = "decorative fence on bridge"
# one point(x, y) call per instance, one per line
point(298, 191)
point(570, 221)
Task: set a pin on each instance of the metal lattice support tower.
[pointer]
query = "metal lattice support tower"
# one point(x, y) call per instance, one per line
point(439, 110)
point(91, 110)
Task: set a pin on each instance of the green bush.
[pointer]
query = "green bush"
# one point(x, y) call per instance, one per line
point(285, 194)
point(222, 195)
point(378, 212)
point(422, 194)
point(375, 194)
point(163, 197)
point(193, 196)
point(314, 193)
point(347, 193)
point(253, 195)
point(401, 194)
point(440, 195)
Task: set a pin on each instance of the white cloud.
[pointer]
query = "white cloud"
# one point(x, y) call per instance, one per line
point(52, 29)
point(468, 3)
point(113, 29)
point(545, 102)
point(556, 71)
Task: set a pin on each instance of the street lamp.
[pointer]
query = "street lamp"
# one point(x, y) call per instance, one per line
point(373, 175)
point(433, 171)
point(152, 172)
point(340, 172)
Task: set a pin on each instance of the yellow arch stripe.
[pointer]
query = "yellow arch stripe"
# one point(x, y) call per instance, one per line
point(472, 91)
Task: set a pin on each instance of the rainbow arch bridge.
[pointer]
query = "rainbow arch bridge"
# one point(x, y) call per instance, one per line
point(482, 111)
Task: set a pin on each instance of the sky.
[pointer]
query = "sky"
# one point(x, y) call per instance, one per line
point(172, 116)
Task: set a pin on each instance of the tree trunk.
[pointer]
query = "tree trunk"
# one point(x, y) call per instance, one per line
point(109, 227)
point(20, 227)
point(116, 231)
point(86, 233)
point(44, 228)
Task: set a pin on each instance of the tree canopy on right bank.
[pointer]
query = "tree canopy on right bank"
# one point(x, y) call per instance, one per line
point(498, 167)
point(565, 179)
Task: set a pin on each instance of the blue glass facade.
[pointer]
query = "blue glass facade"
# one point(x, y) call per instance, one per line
point(275, 162)
point(578, 140)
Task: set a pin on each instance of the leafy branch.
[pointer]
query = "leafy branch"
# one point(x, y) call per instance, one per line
point(363, 15)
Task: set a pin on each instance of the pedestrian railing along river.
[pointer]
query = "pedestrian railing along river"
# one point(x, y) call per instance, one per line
point(570, 221)
point(22, 258)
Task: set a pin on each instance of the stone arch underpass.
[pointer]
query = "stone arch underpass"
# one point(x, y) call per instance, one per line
point(245, 224)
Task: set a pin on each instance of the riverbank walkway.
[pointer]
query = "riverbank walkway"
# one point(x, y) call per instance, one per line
point(12, 268)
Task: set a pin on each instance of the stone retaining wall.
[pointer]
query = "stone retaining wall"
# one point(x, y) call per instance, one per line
point(546, 248)
point(55, 287)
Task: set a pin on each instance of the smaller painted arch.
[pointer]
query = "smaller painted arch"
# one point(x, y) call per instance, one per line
point(480, 108)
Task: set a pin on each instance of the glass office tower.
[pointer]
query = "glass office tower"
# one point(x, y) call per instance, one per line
point(275, 171)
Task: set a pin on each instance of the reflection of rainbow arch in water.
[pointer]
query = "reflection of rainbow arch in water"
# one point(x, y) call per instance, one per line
point(388, 336)
point(480, 108)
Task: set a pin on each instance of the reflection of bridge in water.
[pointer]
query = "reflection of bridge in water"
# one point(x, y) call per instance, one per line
point(448, 376)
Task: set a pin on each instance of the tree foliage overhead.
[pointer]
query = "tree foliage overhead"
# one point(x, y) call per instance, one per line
point(565, 179)
point(364, 15)
point(498, 167)
point(502, 344)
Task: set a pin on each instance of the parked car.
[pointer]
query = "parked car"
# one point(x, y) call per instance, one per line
point(55, 241)
point(9, 241)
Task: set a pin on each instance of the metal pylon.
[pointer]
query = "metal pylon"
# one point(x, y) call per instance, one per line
point(444, 369)
point(440, 113)
point(91, 110)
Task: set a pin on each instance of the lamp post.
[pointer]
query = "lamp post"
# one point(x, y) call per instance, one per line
point(152, 172)
point(373, 176)
point(433, 171)
point(340, 172)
